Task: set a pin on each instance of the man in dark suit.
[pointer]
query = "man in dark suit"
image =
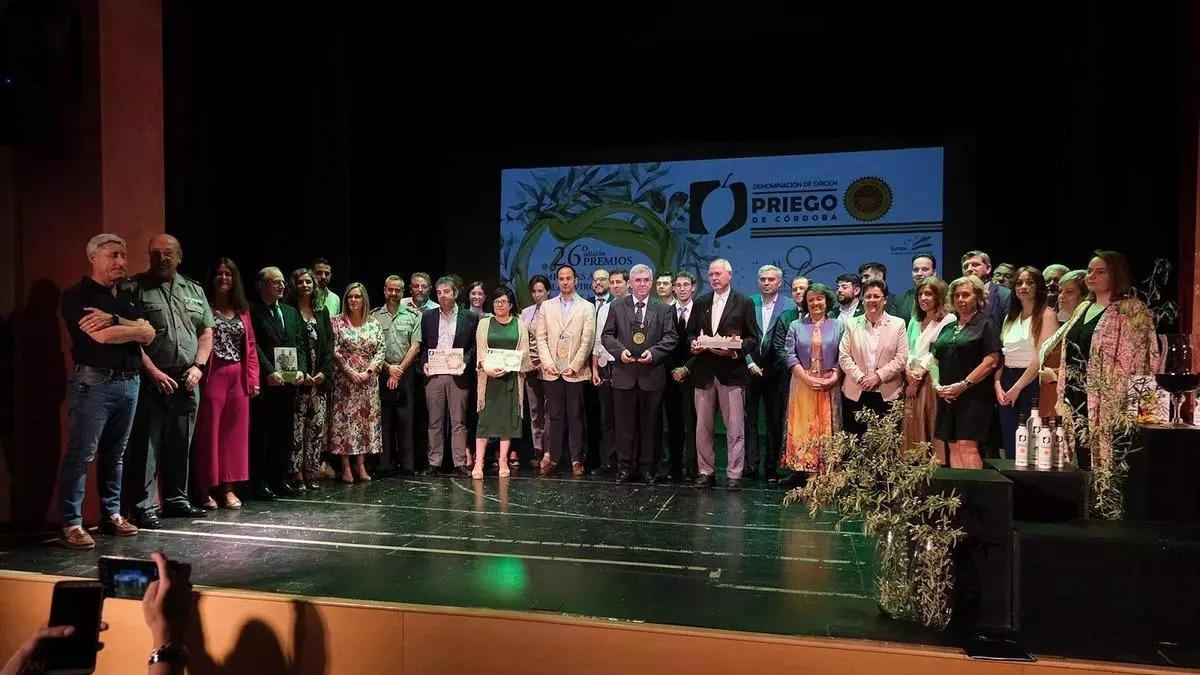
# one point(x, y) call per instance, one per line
point(924, 265)
point(448, 327)
point(720, 375)
point(678, 400)
point(765, 372)
point(978, 264)
point(640, 333)
point(849, 298)
point(272, 411)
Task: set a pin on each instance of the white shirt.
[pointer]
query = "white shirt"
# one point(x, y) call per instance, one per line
point(686, 312)
point(447, 327)
point(598, 350)
point(565, 304)
point(872, 344)
point(718, 308)
point(767, 309)
point(1017, 344)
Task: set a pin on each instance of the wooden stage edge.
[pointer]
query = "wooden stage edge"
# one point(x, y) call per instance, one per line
point(246, 631)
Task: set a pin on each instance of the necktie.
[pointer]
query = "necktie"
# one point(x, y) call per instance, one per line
point(682, 318)
point(639, 315)
point(278, 317)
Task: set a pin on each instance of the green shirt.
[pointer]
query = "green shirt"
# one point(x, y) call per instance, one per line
point(398, 331)
point(179, 312)
point(332, 303)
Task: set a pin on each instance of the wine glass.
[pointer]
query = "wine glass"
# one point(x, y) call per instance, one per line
point(1176, 373)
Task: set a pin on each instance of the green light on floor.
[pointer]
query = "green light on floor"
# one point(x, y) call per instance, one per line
point(505, 576)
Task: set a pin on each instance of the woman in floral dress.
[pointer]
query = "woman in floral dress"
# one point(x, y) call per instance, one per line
point(356, 423)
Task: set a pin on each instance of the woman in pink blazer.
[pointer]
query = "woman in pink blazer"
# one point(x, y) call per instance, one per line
point(221, 443)
point(872, 355)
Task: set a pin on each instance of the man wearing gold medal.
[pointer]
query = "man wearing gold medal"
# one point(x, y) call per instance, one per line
point(640, 331)
point(566, 329)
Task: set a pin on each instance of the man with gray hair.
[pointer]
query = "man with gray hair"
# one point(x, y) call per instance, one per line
point(641, 332)
point(765, 370)
point(106, 329)
point(170, 393)
point(276, 325)
point(720, 375)
point(1052, 274)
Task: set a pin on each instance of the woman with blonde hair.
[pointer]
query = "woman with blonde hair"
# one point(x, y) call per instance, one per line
point(920, 401)
point(1072, 293)
point(356, 429)
point(966, 352)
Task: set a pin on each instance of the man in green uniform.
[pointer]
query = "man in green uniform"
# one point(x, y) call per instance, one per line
point(172, 366)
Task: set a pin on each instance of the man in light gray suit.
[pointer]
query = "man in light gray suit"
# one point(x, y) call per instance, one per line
point(640, 331)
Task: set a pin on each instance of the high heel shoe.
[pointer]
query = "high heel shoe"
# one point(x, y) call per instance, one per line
point(505, 472)
point(477, 472)
point(232, 502)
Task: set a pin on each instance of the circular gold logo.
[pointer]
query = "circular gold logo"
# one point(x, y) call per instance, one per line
point(868, 198)
point(639, 338)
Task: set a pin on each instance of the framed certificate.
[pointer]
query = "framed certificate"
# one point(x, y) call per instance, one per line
point(286, 363)
point(446, 361)
point(508, 360)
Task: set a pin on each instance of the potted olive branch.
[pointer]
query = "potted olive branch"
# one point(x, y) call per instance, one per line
point(876, 480)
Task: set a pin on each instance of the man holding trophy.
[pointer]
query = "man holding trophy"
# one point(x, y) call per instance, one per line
point(640, 331)
point(720, 322)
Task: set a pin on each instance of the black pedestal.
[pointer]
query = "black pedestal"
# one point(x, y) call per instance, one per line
point(983, 564)
point(1108, 581)
point(1163, 476)
point(1048, 496)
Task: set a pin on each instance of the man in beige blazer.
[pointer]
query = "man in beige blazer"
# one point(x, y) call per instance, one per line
point(566, 329)
point(872, 355)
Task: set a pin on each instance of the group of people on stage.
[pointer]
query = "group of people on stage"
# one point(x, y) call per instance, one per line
point(173, 375)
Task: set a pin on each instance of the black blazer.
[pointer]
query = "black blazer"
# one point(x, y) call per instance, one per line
point(737, 319)
point(268, 337)
point(324, 347)
point(660, 341)
point(464, 337)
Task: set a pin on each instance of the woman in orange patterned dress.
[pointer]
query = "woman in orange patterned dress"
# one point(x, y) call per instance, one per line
point(814, 398)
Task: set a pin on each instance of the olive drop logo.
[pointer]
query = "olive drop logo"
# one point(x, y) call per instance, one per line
point(718, 202)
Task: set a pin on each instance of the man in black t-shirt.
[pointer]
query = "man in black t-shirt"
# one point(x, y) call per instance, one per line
point(106, 330)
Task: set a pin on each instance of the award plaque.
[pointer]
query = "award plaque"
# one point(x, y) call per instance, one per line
point(286, 363)
point(508, 360)
point(446, 361)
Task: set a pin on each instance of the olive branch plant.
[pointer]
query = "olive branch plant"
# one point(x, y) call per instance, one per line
point(876, 480)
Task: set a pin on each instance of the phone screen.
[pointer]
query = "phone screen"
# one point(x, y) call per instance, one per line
point(78, 604)
point(126, 577)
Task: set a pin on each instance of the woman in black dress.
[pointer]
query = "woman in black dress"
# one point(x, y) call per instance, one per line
point(967, 351)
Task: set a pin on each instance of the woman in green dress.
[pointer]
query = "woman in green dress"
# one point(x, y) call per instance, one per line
point(501, 391)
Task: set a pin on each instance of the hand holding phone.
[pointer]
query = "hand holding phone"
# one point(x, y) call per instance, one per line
point(72, 639)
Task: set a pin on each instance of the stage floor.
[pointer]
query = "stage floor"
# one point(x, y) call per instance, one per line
point(667, 554)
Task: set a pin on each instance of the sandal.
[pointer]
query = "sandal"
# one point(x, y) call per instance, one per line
point(232, 502)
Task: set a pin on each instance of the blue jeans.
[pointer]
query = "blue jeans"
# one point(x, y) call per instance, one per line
point(100, 416)
point(1010, 415)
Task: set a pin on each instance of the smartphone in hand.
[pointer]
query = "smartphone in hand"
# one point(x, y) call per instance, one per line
point(78, 604)
point(128, 577)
